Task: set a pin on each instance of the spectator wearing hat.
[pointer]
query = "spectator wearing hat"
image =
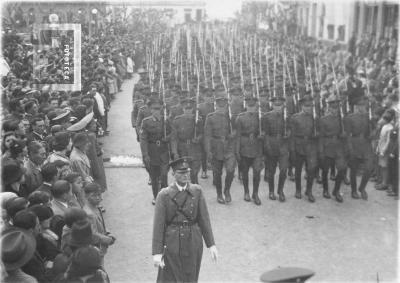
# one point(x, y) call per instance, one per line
point(33, 176)
point(47, 240)
point(183, 231)
point(5, 218)
point(18, 247)
point(13, 178)
point(86, 265)
point(80, 162)
point(62, 194)
point(28, 221)
point(72, 215)
point(95, 215)
point(39, 197)
point(49, 176)
point(14, 205)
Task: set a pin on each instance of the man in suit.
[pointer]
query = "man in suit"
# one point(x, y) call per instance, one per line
point(62, 194)
point(33, 176)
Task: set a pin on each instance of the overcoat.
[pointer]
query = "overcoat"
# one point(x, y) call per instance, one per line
point(181, 220)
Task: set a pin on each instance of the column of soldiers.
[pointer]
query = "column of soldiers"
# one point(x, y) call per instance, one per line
point(231, 101)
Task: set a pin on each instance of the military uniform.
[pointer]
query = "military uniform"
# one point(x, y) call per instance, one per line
point(204, 109)
point(155, 150)
point(276, 148)
point(304, 147)
point(360, 149)
point(181, 222)
point(249, 150)
point(184, 143)
point(220, 144)
point(332, 147)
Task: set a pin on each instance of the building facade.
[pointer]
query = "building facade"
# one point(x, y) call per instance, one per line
point(331, 20)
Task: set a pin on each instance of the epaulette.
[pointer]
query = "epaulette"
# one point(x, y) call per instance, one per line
point(210, 114)
point(242, 113)
point(143, 107)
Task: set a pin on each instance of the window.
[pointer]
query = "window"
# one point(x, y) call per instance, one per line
point(341, 32)
point(331, 31)
point(198, 15)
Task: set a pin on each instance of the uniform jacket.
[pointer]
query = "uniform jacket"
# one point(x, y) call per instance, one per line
point(152, 142)
point(357, 130)
point(331, 141)
point(273, 127)
point(183, 134)
point(216, 139)
point(182, 245)
point(247, 131)
point(302, 131)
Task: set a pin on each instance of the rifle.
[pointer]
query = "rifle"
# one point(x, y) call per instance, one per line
point(163, 98)
point(229, 98)
point(370, 125)
point(196, 115)
point(295, 77)
point(259, 107)
point(284, 104)
point(340, 101)
point(314, 112)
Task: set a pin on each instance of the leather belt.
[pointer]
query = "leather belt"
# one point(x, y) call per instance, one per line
point(186, 141)
point(182, 223)
point(332, 137)
point(275, 136)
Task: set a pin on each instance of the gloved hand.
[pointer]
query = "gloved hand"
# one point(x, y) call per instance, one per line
point(214, 253)
point(158, 260)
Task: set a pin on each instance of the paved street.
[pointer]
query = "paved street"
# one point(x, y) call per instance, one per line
point(352, 241)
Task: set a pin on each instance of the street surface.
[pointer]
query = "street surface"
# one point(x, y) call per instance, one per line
point(353, 241)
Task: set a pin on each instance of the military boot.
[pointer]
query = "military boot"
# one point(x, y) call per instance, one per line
point(281, 183)
point(271, 185)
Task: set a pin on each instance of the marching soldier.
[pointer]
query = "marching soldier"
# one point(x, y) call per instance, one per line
point(205, 108)
point(177, 109)
point(332, 146)
point(276, 146)
point(249, 148)
point(304, 145)
point(236, 105)
point(154, 138)
point(186, 141)
point(357, 126)
point(220, 145)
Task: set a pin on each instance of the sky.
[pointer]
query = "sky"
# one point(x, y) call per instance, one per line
point(222, 9)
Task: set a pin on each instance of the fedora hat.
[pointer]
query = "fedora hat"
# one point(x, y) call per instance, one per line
point(18, 247)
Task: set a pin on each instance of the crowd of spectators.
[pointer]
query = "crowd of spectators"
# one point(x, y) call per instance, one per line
point(53, 176)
